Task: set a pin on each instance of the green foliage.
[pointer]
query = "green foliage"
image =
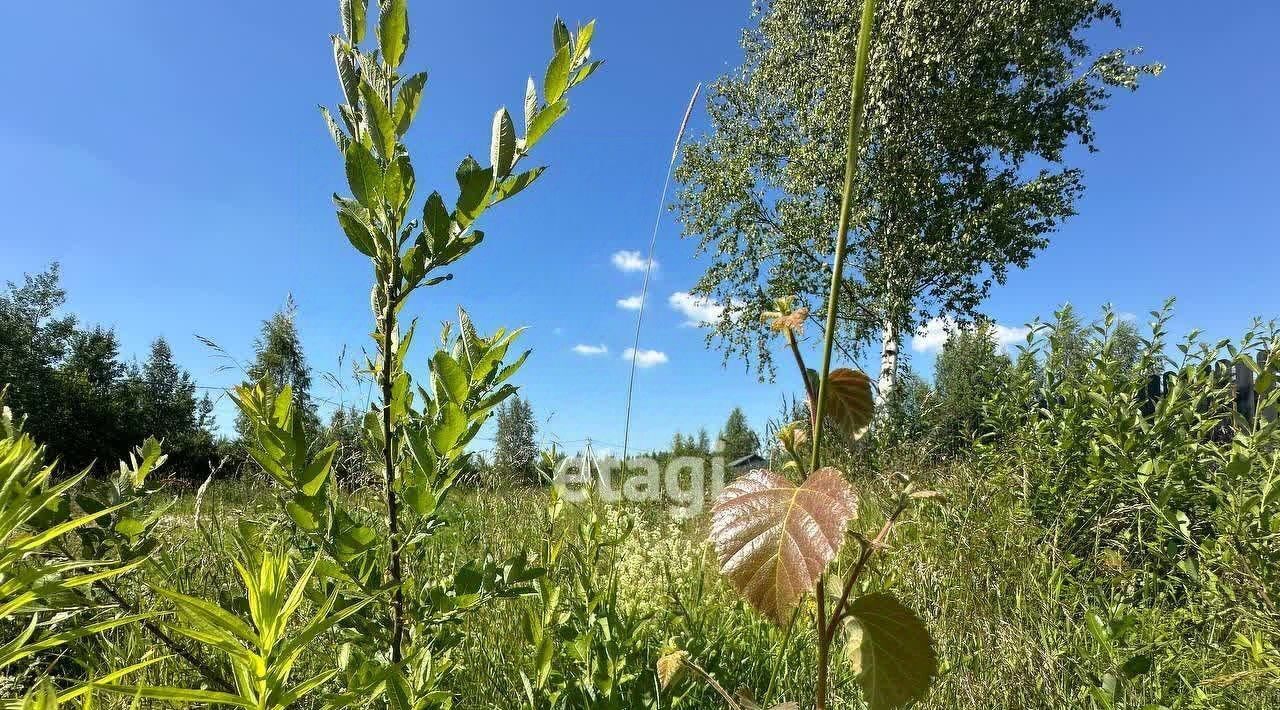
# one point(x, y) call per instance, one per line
point(515, 453)
point(736, 438)
point(76, 395)
point(279, 362)
point(961, 97)
point(969, 370)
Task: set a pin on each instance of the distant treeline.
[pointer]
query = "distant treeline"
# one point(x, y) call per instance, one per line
point(67, 380)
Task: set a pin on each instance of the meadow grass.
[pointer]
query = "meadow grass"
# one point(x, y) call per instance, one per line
point(1007, 613)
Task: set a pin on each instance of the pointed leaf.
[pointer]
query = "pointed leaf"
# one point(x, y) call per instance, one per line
point(364, 175)
point(502, 147)
point(378, 118)
point(543, 121)
point(774, 538)
point(890, 650)
point(353, 14)
point(474, 184)
point(408, 100)
point(530, 104)
point(557, 78)
point(393, 30)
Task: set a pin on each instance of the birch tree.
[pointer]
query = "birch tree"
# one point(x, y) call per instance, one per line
point(971, 110)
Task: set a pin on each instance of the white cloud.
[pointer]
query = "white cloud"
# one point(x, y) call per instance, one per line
point(590, 350)
point(932, 335)
point(631, 261)
point(630, 303)
point(936, 331)
point(697, 311)
point(1008, 337)
point(645, 358)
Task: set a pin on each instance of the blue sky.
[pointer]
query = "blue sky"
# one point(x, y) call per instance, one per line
point(170, 156)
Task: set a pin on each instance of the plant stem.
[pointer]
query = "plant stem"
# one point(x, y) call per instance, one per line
point(857, 103)
point(205, 670)
point(389, 466)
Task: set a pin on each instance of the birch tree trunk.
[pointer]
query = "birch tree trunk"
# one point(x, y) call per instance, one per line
point(888, 358)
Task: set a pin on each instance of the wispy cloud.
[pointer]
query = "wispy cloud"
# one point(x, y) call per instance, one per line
point(630, 303)
point(645, 358)
point(697, 311)
point(590, 350)
point(630, 261)
point(935, 333)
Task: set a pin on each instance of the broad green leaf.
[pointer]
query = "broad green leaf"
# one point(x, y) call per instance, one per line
point(513, 185)
point(850, 403)
point(557, 78)
point(398, 181)
point(543, 121)
point(318, 470)
point(306, 511)
point(358, 231)
point(436, 221)
point(774, 539)
point(353, 14)
point(502, 147)
point(408, 101)
point(378, 118)
point(130, 527)
point(393, 30)
point(364, 175)
point(890, 651)
point(449, 428)
point(451, 377)
point(474, 184)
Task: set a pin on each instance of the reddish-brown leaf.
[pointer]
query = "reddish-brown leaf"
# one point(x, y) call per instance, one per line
point(849, 402)
point(774, 538)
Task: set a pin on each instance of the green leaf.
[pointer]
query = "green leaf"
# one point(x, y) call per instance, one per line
point(436, 221)
point(178, 695)
point(451, 377)
point(393, 30)
point(474, 183)
point(358, 231)
point(448, 428)
point(559, 34)
point(582, 46)
point(345, 62)
point(530, 104)
point(585, 71)
point(130, 527)
point(543, 122)
point(890, 650)
point(408, 101)
point(306, 511)
point(353, 14)
point(381, 126)
point(502, 147)
point(513, 185)
point(364, 175)
point(557, 78)
point(398, 181)
point(318, 470)
point(340, 139)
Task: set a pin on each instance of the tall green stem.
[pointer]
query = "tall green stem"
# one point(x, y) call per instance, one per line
point(857, 104)
point(846, 210)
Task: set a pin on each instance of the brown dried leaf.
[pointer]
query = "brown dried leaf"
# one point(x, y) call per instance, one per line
point(774, 539)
